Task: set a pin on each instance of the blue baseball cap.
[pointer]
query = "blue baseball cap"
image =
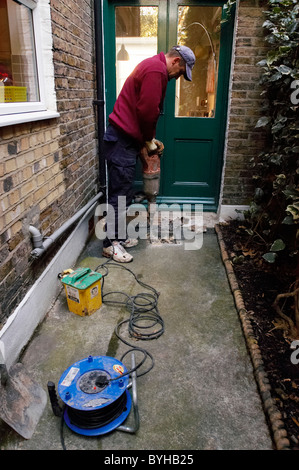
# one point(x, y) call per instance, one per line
point(187, 54)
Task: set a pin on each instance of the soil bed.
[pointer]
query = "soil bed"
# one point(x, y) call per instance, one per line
point(259, 286)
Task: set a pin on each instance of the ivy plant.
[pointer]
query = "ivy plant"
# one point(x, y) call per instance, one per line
point(274, 210)
point(273, 215)
point(228, 6)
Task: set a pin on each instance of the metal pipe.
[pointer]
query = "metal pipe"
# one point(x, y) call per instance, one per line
point(40, 245)
point(135, 427)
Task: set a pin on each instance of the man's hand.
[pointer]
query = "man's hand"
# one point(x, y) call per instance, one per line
point(160, 146)
point(151, 145)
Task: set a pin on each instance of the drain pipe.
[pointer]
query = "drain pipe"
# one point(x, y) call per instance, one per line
point(40, 245)
point(100, 101)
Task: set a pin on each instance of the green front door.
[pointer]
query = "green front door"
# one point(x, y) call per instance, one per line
point(192, 125)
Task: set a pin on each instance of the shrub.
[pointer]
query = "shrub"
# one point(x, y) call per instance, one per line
point(273, 215)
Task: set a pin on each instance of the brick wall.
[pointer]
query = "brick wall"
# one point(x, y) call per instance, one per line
point(73, 49)
point(244, 141)
point(49, 169)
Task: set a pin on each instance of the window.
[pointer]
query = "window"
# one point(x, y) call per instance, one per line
point(24, 55)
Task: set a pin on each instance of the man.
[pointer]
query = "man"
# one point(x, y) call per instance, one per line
point(132, 126)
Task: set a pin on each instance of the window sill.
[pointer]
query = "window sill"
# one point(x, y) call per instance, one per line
point(11, 119)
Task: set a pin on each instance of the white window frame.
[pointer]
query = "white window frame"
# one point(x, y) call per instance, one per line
point(46, 108)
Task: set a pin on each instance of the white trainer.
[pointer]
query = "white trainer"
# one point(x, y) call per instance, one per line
point(130, 242)
point(117, 252)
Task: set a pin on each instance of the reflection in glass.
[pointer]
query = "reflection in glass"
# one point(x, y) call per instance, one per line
point(199, 29)
point(136, 39)
point(18, 72)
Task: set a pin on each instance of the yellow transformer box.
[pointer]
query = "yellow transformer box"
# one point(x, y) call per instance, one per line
point(83, 291)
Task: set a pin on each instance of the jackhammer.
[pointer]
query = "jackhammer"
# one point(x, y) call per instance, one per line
point(150, 158)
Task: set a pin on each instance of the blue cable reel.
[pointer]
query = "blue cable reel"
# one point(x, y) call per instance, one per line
point(96, 396)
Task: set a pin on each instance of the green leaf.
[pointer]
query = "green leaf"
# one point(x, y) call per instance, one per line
point(268, 24)
point(276, 159)
point(280, 181)
point(278, 245)
point(238, 259)
point(284, 69)
point(288, 220)
point(270, 257)
point(258, 194)
point(262, 63)
point(272, 56)
point(276, 76)
point(263, 121)
point(293, 209)
point(291, 192)
point(277, 126)
point(285, 49)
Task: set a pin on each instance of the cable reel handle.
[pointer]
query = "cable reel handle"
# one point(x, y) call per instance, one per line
point(57, 410)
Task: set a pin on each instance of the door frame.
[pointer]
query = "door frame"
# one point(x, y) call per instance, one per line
point(227, 30)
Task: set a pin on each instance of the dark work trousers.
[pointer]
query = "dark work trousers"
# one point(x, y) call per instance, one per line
point(120, 153)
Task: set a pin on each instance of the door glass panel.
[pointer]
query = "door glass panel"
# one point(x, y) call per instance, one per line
point(199, 28)
point(136, 31)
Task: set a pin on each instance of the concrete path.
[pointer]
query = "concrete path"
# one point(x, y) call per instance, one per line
point(201, 393)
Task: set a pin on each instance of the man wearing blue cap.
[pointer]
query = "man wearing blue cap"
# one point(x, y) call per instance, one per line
point(132, 127)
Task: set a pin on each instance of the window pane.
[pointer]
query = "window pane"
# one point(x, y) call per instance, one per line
point(136, 39)
point(18, 73)
point(199, 29)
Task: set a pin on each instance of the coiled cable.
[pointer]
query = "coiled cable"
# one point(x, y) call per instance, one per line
point(97, 418)
point(144, 323)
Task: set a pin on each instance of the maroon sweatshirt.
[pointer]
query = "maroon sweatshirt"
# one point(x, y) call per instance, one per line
point(137, 108)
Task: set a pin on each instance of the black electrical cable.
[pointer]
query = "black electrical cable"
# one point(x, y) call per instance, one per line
point(144, 314)
point(61, 428)
point(143, 308)
point(94, 419)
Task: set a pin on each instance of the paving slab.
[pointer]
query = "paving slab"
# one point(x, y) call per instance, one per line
point(200, 394)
